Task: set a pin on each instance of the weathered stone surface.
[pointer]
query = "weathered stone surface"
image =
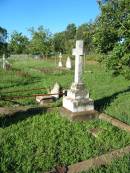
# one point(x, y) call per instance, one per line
point(78, 53)
point(56, 90)
point(77, 99)
point(98, 161)
point(115, 122)
point(78, 116)
point(95, 131)
point(44, 99)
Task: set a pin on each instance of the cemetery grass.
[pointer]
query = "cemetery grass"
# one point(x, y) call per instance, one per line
point(40, 142)
point(121, 165)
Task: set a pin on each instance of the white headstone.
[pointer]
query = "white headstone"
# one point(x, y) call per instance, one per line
point(56, 90)
point(77, 99)
point(68, 63)
point(60, 60)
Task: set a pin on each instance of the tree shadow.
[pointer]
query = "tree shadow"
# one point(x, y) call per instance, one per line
point(102, 103)
point(20, 115)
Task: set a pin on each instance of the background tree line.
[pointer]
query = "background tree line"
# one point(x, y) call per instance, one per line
point(108, 35)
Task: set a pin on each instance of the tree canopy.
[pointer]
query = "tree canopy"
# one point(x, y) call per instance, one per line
point(3, 37)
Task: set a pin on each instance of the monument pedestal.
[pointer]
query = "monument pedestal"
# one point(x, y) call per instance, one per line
point(77, 103)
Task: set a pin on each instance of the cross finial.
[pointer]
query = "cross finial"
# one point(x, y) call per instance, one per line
point(78, 52)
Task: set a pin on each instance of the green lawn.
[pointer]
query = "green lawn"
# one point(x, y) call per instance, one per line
point(41, 142)
point(38, 143)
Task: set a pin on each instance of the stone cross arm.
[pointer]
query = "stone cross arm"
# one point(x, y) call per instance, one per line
point(78, 51)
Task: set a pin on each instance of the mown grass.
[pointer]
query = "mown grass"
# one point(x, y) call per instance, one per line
point(40, 142)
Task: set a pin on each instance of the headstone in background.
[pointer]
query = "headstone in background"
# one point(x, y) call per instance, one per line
point(56, 91)
point(60, 61)
point(4, 61)
point(5, 64)
point(68, 63)
point(77, 101)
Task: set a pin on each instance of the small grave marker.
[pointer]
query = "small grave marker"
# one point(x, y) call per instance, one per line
point(60, 60)
point(68, 63)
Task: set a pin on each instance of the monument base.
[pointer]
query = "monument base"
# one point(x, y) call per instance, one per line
point(78, 116)
point(77, 103)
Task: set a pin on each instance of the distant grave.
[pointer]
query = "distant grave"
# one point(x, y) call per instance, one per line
point(5, 64)
point(68, 63)
point(60, 61)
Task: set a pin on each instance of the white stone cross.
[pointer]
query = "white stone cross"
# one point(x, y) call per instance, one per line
point(78, 53)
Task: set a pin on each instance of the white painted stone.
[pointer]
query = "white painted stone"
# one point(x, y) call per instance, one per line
point(60, 61)
point(77, 99)
point(4, 63)
point(55, 90)
point(60, 64)
point(68, 63)
point(78, 53)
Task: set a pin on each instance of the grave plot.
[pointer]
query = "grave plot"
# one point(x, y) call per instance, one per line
point(43, 141)
point(37, 141)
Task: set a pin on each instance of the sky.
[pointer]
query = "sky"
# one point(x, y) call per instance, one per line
point(54, 15)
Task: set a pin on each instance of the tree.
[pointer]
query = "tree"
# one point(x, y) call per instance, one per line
point(41, 42)
point(59, 42)
point(70, 31)
point(70, 36)
point(86, 32)
point(18, 43)
point(113, 35)
point(3, 37)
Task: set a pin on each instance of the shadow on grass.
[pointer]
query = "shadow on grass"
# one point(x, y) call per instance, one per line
point(20, 115)
point(102, 103)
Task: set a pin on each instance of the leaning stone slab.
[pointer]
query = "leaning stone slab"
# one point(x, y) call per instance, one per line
point(115, 122)
point(56, 91)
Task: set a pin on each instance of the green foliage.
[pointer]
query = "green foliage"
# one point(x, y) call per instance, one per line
point(112, 35)
point(70, 31)
point(117, 166)
point(119, 61)
point(85, 32)
point(18, 43)
point(39, 143)
point(3, 37)
point(59, 42)
point(40, 42)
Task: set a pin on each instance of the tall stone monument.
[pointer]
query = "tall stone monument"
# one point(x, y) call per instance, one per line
point(60, 60)
point(77, 104)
